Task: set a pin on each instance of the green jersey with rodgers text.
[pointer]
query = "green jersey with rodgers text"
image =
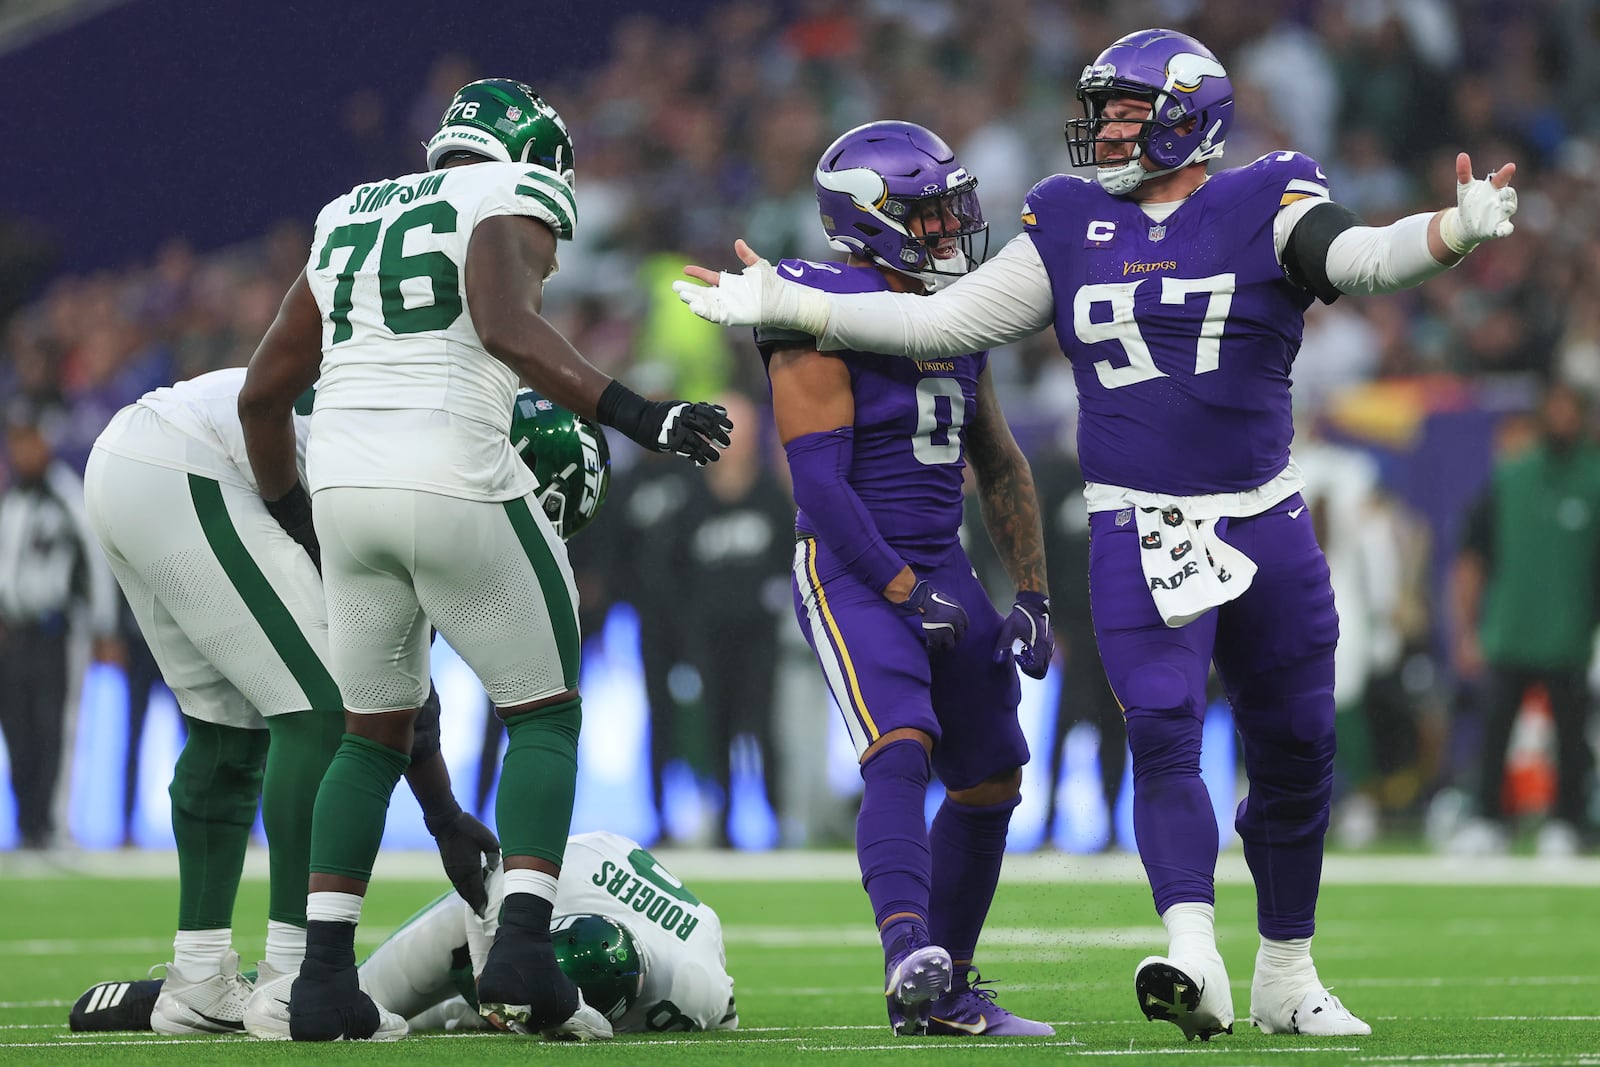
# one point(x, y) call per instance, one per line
point(408, 396)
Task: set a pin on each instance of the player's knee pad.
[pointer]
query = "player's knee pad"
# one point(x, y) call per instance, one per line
point(1156, 686)
point(217, 777)
point(1163, 741)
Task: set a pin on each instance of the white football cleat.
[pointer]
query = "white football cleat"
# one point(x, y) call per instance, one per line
point(266, 1015)
point(585, 1024)
point(1193, 994)
point(1317, 1013)
point(210, 1005)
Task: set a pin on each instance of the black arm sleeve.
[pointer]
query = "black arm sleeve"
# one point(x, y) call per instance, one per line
point(773, 337)
point(1305, 257)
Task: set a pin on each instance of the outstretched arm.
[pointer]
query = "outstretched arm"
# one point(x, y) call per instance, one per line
point(507, 261)
point(1006, 299)
point(1325, 248)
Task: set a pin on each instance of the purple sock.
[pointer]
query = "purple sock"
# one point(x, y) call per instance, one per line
point(891, 836)
point(1172, 815)
point(1285, 818)
point(969, 844)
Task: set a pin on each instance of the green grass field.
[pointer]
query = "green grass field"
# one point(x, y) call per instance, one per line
point(1446, 973)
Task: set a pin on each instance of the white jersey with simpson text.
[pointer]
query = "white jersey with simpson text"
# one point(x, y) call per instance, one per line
point(409, 398)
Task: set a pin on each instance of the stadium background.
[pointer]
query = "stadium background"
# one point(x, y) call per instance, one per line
point(167, 158)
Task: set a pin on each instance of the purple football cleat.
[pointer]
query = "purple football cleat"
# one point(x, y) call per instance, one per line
point(969, 1010)
point(914, 975)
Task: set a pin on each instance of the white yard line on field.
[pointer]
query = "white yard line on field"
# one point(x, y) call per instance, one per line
point(805, 866)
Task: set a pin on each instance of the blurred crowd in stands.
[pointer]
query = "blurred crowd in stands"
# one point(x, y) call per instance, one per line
point(693, 133)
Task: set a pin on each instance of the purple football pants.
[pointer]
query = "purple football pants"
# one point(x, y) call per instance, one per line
point(883, 679)
point(1273, 648)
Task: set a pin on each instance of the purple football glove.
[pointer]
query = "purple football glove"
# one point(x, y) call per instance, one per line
point(944, 622)
point(1029, 622)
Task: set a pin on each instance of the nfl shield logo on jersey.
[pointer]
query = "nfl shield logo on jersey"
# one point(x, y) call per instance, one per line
point(1158, 232)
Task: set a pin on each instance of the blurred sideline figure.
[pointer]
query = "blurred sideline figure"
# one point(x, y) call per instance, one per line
point(1527, 600)
point(738, 536)
point(918, 660)
point(49, 570)
point(1179, 297)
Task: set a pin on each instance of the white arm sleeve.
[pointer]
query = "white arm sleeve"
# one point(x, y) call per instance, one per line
point(1006, 299)
point(1369, 259)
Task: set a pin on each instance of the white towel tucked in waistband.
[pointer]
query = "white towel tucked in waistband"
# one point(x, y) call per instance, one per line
point(1188, 568)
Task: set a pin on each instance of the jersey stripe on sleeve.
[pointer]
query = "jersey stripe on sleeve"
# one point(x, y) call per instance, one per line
point(552, 194)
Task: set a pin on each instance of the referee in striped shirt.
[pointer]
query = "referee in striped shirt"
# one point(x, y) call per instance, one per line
point(50, 566)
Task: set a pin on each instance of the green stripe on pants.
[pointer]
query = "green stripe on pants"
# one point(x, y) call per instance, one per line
point(558, 607)
point(260, 598)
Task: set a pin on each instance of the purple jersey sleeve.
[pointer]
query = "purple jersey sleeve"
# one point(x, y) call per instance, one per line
point(1182, 333)
point(909, 450)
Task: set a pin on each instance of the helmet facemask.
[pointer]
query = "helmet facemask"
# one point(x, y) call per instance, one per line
point(1191, 107)
point(940, 233)
point(893, 193)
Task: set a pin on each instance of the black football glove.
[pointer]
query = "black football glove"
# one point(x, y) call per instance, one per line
point(466, 846)
point(292, 511)
point(697, 431)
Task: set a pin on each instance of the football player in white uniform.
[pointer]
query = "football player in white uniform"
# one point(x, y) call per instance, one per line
point(645, 950)
point(419, 310)
point(234, 613)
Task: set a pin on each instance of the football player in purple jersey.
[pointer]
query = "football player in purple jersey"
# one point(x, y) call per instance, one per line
point(1178, 295)
point(918, 659)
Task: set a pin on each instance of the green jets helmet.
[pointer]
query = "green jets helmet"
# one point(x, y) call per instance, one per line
point(505, 120)
point(568, 456)
point(602, 959)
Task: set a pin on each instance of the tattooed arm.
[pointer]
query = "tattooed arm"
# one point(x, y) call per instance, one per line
point(1005, 489)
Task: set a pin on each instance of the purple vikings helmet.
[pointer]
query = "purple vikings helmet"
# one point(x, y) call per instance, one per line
point(1181, 79)
point(875, 179)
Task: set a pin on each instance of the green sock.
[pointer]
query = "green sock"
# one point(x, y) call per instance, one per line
point(352, 804)
point(537, 781)
point(303, 744)
point(215, 785)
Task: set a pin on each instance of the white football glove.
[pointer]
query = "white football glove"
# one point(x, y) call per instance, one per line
point(1481, 214)
point(756, 297)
